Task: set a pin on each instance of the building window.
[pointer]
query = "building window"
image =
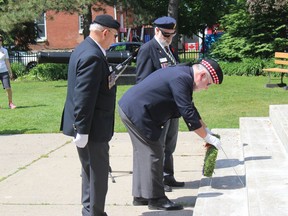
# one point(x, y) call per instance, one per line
point(41, 27)
point(81, 24)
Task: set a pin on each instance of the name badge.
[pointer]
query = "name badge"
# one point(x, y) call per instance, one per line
point(162, 60)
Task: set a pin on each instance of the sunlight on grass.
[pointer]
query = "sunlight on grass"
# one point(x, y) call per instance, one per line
point(40, 104)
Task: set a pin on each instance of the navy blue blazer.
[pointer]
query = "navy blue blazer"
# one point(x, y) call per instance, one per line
point(150, 58)
point(163, 95)
point(90, 104)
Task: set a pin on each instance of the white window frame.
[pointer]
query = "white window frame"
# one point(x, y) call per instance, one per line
point(80, 24)
point(42, 38)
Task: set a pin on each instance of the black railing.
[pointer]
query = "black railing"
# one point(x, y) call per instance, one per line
point(189, 56)
point(28, 59)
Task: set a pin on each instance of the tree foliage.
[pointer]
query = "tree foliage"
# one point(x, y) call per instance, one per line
point(253, 29)
point(17, 19)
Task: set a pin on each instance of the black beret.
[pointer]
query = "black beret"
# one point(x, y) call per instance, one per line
point(214, 69)
point(107, 20)
point(165, 22)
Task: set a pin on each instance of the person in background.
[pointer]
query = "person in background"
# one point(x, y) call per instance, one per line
point(152, 56)
point(145, 108)
point(89, 109)
point(6, 73)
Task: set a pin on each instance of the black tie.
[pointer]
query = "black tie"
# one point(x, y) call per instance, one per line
point(168, 52)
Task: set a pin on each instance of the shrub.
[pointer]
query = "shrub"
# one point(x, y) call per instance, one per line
point(18, 69)
point(247, 67)
point(50, 71)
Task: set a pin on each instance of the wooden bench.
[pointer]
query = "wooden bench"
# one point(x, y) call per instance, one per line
point(281, 59)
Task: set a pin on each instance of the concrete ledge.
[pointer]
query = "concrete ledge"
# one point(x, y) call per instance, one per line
point(279, 118)
point(224, 194)
point(266, 165)
point(128, 77)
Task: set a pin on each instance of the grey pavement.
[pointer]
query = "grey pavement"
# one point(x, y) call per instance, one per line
point(40, 175)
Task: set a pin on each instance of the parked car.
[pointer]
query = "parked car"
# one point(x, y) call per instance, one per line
point(28, 59)
point(119, 52)
point(116, 54)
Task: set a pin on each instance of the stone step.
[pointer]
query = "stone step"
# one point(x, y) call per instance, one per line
point(266, 165)
point(225, 193)
point(279, 117)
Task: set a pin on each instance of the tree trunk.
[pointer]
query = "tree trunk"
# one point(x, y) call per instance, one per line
point(173, 12)
point(87, 21)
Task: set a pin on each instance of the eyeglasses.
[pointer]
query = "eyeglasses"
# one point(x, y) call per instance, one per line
point(166, 34)
point(115, 34)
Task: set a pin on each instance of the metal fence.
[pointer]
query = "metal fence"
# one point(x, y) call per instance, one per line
point(186, 56)
point(28, 59)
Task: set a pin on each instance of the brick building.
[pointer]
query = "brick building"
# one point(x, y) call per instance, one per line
point(63, 31)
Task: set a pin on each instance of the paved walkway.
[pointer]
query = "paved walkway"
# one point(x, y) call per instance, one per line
point(40, 175)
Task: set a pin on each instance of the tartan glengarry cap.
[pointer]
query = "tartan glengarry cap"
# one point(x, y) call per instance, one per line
point(107, 21)
point(165, 22)
point(214, 69)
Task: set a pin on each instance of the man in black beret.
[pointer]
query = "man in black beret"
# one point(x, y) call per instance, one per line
point(146, 107)
point(152, 56)
point(88, 114)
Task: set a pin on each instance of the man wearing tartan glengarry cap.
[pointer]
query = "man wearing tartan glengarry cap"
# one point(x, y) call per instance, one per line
point(145, 108)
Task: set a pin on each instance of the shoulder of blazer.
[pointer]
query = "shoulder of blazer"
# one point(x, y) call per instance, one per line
point(156, 47)
point(152, 47)
point(91, 42)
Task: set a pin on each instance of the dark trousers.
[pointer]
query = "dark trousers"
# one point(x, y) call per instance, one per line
point(147, 163)
point(95, 166)
point(169, 139)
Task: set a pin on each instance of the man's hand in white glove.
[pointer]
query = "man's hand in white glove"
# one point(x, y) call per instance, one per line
point(208, 131)
point(213, 140)
point(81, 140)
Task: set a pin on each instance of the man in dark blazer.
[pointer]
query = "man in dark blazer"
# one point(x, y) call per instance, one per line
point(152, 56)
point(88, 114)
point(146, 107)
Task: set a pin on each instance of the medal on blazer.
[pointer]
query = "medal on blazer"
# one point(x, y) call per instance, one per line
point(111, 78)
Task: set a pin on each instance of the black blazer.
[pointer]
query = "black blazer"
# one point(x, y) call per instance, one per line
point(90, 104)
point(150, 58)
point(163, 95)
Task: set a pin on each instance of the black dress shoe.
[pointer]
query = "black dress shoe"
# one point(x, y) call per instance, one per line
point(163, 203)
point(170, 181)
point(140, 201)
point(167, 188)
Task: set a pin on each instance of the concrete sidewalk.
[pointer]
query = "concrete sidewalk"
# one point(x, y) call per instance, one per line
point(40, 175)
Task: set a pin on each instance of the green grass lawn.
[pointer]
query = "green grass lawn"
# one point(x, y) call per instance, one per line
point(40, 104)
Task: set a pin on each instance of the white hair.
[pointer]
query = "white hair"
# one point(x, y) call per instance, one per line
point(200, 67)
point(96, 27)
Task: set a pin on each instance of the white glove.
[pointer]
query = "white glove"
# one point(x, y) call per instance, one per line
point(213, 141)
point(208, 131)
point(81, 140)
